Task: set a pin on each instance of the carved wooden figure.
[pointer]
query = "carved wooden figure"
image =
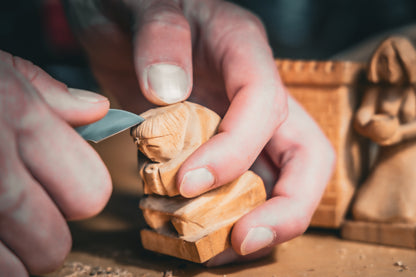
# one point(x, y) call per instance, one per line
point(385, 207)
point(194, 229)
point(167, 137)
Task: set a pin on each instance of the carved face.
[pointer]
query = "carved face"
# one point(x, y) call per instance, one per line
point(159, 149)
point(389, 68)
point(161, 136)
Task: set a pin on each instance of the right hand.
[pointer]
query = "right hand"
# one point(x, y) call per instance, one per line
point(48, 173)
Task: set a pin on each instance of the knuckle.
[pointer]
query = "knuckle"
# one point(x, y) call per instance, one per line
point(20, 104)
point(166, 17)
point(27, 68)
point(12, 195)
point(236, 22)
point(252, 23)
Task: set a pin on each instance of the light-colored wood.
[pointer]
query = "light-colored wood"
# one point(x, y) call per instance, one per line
point(167, 137)
point(198, 251)
point(393, 234)
point(389, 193)
point(329, 90)
point(194, 229)
point(197, 217)
point(384, 210)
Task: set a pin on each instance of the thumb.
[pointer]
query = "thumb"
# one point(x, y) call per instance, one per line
point(75, 106)
point(163, 52)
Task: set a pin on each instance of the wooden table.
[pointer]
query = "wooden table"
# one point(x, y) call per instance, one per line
point(109, 244)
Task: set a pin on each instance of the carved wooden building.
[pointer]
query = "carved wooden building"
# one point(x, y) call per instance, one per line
point(329, 91)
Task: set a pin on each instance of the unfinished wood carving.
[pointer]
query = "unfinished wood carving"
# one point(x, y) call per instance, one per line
point(385, 205)
point(167, 137)
point(194, 229)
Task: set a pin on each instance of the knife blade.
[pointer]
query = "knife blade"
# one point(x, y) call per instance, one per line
point(113, 123)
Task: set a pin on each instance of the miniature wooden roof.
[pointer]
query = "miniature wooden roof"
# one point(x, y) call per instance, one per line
point(327, 73)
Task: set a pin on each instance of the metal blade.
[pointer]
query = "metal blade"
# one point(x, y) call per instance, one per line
point(113, 123)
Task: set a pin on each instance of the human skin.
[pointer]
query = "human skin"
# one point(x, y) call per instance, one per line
point(148, 53)
point(48, 173)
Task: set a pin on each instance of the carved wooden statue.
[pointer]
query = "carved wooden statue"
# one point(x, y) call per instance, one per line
point(385, 205)
point(193, 229)
point(167, 137)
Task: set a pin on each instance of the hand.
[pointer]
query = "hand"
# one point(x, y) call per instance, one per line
point(48, 173)
point(302, 160)
point(221, 53)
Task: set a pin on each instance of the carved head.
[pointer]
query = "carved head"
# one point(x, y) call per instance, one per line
point(393, 62)
point(160, 137)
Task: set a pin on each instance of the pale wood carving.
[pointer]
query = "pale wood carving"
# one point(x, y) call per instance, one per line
point(197, 217)
point(386, 203)
point(328, 91)
point(200, 227)
point(167, 137)
point(194, 229)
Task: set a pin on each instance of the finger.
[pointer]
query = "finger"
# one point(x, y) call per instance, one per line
point(305, 159)
point(68, 168)
point(162, 51)
point(77, 107)
point(408, 108)
point(10, 265)
point(31, 226)
point(258, 101)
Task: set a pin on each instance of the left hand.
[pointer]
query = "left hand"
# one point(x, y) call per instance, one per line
point(220, 52)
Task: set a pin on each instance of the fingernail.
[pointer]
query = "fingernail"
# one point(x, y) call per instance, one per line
point(86, 95)
point(196, 181)
point(256, 239)
point(167, 82)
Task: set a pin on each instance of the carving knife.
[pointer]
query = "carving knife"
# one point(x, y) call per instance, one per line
point(113, 123)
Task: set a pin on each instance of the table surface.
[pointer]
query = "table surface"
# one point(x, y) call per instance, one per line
point(109, 244)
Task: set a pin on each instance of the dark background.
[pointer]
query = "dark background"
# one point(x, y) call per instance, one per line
point(303, 29)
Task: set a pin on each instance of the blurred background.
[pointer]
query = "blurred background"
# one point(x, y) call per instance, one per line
point(301, 29)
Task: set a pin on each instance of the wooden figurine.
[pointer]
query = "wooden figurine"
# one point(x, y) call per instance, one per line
point(194, 229)
point(167, 137)
point(384, 210)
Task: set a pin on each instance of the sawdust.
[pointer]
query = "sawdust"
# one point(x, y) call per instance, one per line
point(78, 269)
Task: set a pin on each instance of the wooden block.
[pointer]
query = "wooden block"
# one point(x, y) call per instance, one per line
point(167, 137)
point(329, 91)
point(394, 234)
point(198, 251)
point(198, 216)
point(200, 226)
point(194, 229)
